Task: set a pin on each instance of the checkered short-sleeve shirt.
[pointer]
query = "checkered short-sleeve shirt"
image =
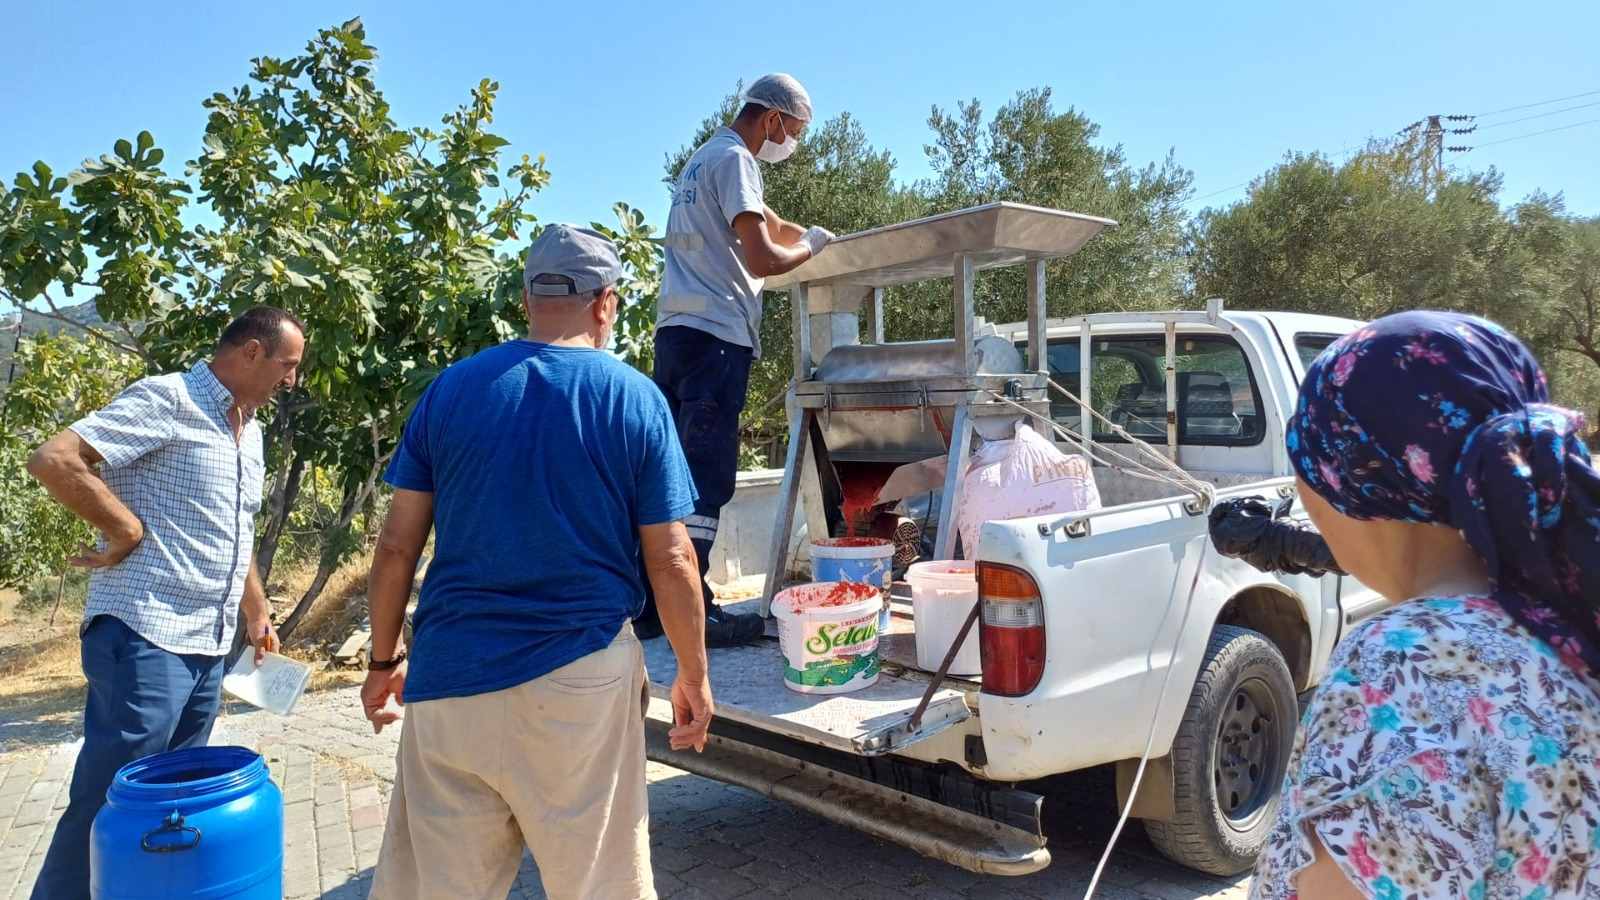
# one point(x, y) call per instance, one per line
point(171, 458)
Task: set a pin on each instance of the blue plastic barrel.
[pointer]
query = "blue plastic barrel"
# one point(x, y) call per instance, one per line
point(206, 823)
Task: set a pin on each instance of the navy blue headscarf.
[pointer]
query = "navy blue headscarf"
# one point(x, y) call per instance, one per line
point(1444, 418)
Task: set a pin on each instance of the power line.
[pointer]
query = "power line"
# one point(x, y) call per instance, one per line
point(1534, 134)
point(1223, 191)
point(1540, 103)
point(1436, 138)
point(1555, 112)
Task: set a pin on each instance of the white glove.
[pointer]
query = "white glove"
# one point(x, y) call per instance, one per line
point(815, 238)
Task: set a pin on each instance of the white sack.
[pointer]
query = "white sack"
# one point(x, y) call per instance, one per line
point(1025, 476)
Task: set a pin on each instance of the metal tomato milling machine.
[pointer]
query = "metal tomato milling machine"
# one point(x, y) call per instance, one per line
point(860, 410)
point(857, 412)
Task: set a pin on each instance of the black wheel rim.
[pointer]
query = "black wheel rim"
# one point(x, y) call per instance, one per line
point(1249, 753)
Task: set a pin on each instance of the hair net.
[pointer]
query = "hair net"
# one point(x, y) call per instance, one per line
point(780, 92)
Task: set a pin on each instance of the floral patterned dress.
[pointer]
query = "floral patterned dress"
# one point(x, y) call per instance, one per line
point(1448, 753)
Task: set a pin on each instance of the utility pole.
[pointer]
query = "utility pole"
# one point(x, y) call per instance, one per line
point(1433, 146)
point(16, 343)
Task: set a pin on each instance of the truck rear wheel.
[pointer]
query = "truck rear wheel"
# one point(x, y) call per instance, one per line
point(1229, 755)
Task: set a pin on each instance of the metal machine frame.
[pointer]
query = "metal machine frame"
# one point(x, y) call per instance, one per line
point(852, 272)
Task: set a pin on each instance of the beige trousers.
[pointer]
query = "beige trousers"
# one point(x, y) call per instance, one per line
point(556, 763)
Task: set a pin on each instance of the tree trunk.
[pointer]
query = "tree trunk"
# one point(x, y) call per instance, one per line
point(332, 537)
point(325, 571)
point(61, 589)
point(285, 490)
point(285, 484)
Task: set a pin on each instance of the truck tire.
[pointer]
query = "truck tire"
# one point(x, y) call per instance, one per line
point(1229, 755)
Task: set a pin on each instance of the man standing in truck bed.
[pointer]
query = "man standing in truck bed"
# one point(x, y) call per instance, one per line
point(722, 241)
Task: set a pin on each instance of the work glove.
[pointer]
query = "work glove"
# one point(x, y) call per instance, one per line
point(815, 238)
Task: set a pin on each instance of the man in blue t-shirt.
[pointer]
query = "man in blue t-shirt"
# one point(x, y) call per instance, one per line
point(722, 241)
point(545, 468)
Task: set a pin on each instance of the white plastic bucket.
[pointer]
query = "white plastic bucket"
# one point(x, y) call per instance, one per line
point(943, 593)
point(828, 636)
point(858, 560)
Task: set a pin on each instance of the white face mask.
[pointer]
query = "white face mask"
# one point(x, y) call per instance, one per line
point(777, 153)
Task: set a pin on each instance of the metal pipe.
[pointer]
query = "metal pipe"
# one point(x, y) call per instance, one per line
point(955, 476)
point(800, 299)
point(1038, 352)
point(877, 315)
point(962, 306)
point(1085, 370)
point(1172, 391)
point(789, 494)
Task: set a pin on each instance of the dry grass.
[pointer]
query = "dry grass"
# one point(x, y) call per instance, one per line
point(41, 675)
point(341, 607)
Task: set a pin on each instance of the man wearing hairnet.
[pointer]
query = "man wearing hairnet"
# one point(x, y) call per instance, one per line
point(722, 241)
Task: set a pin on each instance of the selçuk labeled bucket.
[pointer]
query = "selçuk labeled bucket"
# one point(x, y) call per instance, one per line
point(828, 636)
point(206, 822)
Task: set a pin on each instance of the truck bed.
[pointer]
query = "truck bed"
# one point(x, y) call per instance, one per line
point(748, 685)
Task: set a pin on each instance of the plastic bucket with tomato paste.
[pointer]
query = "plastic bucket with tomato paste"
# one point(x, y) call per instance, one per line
point(828, 636)
point(858, 559)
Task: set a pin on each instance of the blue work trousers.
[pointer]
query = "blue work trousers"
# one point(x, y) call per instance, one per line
point(142, 700)
point(704, 379)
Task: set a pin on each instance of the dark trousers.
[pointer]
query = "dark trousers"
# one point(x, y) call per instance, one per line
point(704, 380)
point(142, 700)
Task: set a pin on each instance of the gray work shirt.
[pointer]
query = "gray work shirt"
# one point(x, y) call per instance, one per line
point(171, 458)
point(705, 284)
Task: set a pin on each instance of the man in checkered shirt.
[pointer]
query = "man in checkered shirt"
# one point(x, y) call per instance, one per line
point(175, 496)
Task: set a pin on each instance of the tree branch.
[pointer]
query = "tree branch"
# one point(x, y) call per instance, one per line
point(134, 349)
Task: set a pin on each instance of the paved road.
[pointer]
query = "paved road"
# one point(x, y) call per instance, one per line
point(709, 840)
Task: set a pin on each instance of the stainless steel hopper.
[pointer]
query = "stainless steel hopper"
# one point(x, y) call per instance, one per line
point(857, 405)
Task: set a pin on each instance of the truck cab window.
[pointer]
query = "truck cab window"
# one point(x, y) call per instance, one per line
point(1217, 400)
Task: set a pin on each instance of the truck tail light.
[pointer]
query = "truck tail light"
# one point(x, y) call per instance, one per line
point(1011, 630)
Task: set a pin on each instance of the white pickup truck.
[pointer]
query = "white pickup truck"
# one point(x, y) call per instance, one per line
point(1108, 636)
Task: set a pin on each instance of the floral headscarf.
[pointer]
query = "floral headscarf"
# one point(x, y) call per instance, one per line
point(1443, 418)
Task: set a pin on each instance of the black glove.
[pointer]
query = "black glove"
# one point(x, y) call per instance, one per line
point(1248, 528)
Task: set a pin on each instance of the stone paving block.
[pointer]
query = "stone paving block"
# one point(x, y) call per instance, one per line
point(689, 892)
point(43, 789)
point(667, 883)
point(33, 812)
point(717, 882)
point(676, 860)
point(769, 870)
point(720, 854)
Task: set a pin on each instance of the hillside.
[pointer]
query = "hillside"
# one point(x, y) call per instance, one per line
point(35, 323)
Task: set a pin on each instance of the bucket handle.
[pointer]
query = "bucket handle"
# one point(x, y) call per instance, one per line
point(173, 823)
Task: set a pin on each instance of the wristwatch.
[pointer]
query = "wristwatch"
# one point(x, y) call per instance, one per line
point(378, 665)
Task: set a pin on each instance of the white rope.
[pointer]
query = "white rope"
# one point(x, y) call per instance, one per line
point(1150, 737)
point(1175, 476)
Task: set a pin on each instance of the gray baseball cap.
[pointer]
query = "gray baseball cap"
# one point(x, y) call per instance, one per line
point(586, 256)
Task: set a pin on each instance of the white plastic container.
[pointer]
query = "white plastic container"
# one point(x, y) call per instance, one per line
point(828, 636)
point(856, 559)
point(943, 593)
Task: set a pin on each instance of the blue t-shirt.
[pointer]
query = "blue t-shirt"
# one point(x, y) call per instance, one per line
point(543, 462)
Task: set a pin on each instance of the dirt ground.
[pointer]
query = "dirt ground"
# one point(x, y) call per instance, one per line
point(41, 684)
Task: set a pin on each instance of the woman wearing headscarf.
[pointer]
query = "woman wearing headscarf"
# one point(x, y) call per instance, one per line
point(1452, 748)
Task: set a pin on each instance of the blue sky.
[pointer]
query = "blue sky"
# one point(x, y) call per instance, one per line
point(604, 91)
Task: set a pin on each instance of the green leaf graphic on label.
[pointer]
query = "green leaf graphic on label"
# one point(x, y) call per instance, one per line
point(834, 672)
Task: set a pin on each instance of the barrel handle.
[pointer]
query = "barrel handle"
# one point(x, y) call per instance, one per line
point(174, 822)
